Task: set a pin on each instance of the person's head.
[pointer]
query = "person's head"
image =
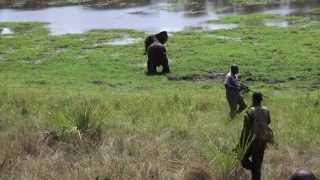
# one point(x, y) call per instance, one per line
point(303, 175)
point(257, 98)
point(234, 69)
point(162, 37)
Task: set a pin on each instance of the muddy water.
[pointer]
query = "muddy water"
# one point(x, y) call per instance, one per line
point(145, 15)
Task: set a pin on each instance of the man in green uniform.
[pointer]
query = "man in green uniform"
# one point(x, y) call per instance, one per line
point(255, 136)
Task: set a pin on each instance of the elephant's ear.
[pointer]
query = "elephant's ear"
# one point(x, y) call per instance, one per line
point(149, 40)
point(162, 37)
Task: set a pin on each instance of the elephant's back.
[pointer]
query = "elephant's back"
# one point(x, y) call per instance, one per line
point(156, 52)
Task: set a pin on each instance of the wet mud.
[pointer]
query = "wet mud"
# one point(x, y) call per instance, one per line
point(315, 85)
point(98, 82)
point(210, 76)
point(39, 82)
point(246, 78)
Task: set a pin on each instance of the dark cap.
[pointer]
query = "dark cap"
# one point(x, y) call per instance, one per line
point(234, 69)
point(257, 96)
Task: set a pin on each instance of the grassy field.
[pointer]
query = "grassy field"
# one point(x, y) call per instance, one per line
point(76, 107)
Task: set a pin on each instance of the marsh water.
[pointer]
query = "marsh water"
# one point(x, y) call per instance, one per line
point(145, 15)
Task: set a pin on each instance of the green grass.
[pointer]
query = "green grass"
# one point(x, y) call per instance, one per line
point(114, 121)
point(247, 20)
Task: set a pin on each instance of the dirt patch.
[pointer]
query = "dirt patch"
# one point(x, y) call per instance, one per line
point(40, 82)
point(315, 85)
point(219, 77)
point(98, 82)
point(275, 81)
point(49, 138)
point(210, 76)
point(263, 79)
point(60, 49)
point(300, 78)
point(101, 83)
point(246, 78)
point(197, 174)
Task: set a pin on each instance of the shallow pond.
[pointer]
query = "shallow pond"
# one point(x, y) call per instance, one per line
point(150, 16)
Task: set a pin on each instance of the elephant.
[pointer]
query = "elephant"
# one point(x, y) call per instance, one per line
point(156, 52)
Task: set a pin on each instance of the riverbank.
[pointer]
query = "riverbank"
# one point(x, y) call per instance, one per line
point(234, 5)
point(38, 4)
point(79, 106)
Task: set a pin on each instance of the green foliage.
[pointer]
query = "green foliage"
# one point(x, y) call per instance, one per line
point(82, 115)
point(81, 119)
point(247, 20)
point(63, 123)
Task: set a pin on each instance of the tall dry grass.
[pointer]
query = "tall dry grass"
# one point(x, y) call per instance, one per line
point(149, 136)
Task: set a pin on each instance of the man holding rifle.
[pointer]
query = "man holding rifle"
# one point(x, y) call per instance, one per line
point(233, 92)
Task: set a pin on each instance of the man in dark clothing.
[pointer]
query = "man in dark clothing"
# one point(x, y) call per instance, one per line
point(303, 175)
point(156, 51)
point(255, 135)
point(233, 92)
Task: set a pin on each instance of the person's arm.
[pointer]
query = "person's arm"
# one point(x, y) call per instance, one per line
point(231, 84)
point(245, 132)
point(246, 122)
point(269, 118)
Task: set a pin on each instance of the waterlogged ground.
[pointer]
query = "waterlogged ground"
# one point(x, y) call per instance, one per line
point(198, 5)
point(142, 15)
point(79, 106)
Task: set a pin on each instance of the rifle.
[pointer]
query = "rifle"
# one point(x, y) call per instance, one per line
point(245, 89)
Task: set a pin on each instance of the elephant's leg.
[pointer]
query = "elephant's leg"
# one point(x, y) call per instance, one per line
point(165, 67)
point(152, 68)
